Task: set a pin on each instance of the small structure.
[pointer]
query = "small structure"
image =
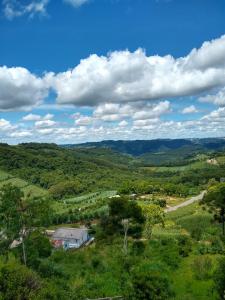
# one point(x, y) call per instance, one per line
point(70, 238)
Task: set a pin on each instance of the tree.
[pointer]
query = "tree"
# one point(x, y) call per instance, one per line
point(123, 213)
point(10, 227)
point(38, 247)
point(214, 199)
point(153, 214)
point(18, 282)
point(19, 215)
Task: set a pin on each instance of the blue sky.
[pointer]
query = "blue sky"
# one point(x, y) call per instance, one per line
point(86, 70)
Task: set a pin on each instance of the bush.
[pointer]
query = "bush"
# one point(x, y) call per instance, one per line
point(18, 282)
point(219, 278)
point(196, 224)
point(149, 283)
point(202, 267)
point(213, 245)
point(184, 244)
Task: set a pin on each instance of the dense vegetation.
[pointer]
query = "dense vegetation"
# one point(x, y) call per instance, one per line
point(139, 251)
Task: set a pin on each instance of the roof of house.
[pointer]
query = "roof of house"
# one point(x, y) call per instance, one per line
point(69, 233)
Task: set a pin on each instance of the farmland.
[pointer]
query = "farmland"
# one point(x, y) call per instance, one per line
point(26, 187)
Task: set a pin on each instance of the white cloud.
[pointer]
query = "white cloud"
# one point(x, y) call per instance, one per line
point(14, 8)
point(84, 121)
point(5, 125)
point(31, 117)
point(189, 110)
point(20, 134)
point(215, 116)
point(44, 123)
point(153, 111)
point(123, 123)
point(20, 89)
point(123, 76)
point(76, 3)
point(217, 99)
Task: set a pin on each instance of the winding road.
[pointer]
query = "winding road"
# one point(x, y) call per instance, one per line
point(185, 203)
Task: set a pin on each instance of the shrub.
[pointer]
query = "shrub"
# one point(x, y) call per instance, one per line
point(185, 244)
point(219, 278)
point(18, 282)
point(149, 283)
point(202, 267)
point(196, 224)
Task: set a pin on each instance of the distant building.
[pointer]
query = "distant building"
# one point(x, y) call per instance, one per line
point(69, 238)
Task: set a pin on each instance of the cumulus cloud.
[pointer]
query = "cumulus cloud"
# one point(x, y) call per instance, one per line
point(215, 116)
point(44, 123)
point(31, 117)
point(125, 76)
point(122, 77)
point(76, 3)
point(14, 8)
point(20, 89)
point(217, 98)
point(189, 110)
point(5, 125)
point(123, 123)
point(84, 121)
point(21, 134)
point(153, 111)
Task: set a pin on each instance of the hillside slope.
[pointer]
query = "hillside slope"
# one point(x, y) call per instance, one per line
point(140, 147)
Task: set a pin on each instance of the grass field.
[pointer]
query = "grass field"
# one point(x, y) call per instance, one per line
point(192, 166)
point(187, 286)
point(27, 188)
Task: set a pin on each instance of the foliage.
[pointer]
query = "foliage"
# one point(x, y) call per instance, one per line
point(147, 282)
point(153, 214)
point(10, 215)
point(202, 267)
point(215, 200)
point(38, 247)
point(19, 215)
point(219, 277)
point(18, 282)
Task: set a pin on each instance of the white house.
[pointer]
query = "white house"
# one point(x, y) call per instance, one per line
point(69, 238)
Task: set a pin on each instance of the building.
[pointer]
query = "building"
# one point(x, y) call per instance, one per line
point(70, 238)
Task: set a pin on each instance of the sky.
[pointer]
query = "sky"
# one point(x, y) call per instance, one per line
point(73, 71)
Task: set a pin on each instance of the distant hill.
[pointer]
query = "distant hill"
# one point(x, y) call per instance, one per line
point(141, 147)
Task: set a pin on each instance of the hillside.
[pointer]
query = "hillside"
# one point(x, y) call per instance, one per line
point(140, 147)
point(51, 166)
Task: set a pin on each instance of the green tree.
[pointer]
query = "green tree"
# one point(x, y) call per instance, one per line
point(38, 247)
point(123, 214)
point(10, 226)
point(18, 282)
point(153, 214)
point(19, 215)
point(148, 282)
point(214, 199)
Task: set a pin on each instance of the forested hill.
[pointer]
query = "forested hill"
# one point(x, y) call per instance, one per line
point(140, 147)
point(52, 167)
